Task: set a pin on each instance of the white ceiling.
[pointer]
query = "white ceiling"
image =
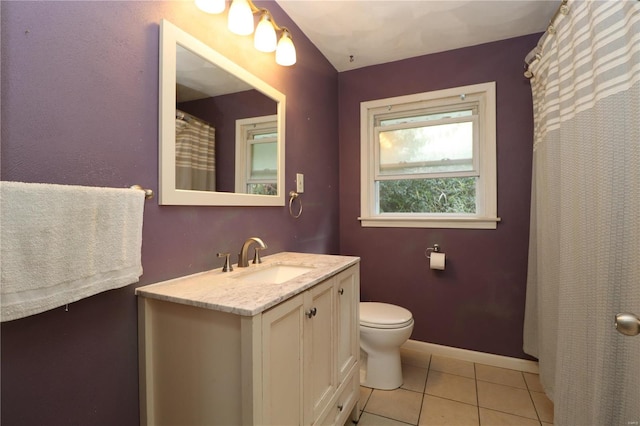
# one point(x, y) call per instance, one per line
point(380, 31)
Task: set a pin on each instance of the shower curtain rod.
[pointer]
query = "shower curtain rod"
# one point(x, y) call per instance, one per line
point(534, 54)
point(185, 116)
point(558, 10)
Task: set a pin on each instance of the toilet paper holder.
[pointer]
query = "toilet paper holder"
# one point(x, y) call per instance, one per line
point(435, 249)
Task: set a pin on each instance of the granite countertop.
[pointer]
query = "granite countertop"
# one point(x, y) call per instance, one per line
point(227, 292)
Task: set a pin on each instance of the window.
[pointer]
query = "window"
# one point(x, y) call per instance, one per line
point(428, 160)
point(257, 155)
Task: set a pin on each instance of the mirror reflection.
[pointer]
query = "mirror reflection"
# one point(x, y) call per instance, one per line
point(226, 133)
point(221, 128)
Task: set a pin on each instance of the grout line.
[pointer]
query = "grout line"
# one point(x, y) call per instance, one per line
point(390, 418)
point(475, 374)
point(424, 389)
point(366, 400)
point(452, 400)
point(535, 408)
point(502, 384)
point(511, 414)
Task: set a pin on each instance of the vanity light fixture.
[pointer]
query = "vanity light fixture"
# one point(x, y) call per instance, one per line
point(265, 38)
point(240, 21)
point(240, 18)
point(286, 52)
point(211, 6)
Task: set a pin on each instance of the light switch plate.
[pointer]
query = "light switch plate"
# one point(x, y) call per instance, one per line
point(299, 183)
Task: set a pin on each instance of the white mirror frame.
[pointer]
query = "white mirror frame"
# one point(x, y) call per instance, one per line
point(170, 36)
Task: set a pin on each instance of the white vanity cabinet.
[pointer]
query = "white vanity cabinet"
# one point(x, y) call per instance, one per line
point(347, 351)
point(294, 363)
point(310, 352)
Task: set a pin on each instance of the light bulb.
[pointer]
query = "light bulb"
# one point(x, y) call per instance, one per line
point(211, 6)
point(240, 18)
point(265, 38)
point(286, 52)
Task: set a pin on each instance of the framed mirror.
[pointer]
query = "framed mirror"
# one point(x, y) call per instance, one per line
point(221, 128)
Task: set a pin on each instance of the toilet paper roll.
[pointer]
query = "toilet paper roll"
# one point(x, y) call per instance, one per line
point(437, 261)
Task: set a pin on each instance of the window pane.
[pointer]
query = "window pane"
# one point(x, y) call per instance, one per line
point(264, 160)
point(258, 136)
point(426, 117)
point(442, 195)
point(428, 149)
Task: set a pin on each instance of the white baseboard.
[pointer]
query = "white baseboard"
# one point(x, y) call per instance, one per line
point(473, 356)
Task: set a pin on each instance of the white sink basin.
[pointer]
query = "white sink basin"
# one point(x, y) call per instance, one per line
point(274, 274)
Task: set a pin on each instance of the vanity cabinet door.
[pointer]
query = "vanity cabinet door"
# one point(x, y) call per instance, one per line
point(298, 364)
point(348, 299)
point(320, 344)
point(282, 362)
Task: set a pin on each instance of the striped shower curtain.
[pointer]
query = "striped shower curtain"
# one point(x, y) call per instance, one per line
point(195, 154)
point(584, 257)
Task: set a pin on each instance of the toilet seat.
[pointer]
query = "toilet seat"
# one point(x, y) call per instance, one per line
point(384, 315)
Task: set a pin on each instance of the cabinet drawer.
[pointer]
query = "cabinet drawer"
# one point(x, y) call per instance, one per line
point(348, 400)
point(342, 405)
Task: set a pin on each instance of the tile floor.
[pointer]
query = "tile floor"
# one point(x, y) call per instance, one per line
point(443, 391)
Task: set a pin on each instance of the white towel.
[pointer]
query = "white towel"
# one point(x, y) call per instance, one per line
point(62, 243)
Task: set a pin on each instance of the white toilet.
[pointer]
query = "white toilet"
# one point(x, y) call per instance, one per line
point(383, 329)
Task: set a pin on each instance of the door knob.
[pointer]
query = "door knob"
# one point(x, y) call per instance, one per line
point(311, 312)
point(628, 324)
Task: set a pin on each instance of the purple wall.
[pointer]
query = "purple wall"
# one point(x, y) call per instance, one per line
point(477, 303)
point(80, 106)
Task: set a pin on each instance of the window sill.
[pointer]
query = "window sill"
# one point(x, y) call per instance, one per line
point(440, 222)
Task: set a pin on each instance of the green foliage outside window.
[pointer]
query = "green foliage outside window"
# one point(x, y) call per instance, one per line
point(262, 188)
point(440, 195)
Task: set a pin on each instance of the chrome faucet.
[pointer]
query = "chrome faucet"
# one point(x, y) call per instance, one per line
point(243, 261)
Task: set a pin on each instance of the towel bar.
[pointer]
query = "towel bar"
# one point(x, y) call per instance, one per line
point(148, 193)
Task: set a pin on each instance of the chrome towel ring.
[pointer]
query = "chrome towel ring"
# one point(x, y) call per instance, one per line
point(293, 195)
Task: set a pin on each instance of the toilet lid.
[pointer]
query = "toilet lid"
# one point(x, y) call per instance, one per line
point(384, 315)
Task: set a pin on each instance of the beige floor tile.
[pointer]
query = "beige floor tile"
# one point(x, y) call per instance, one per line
point(506, 399)
point(544, 406)
point(398, 404)
point(415, 358)
point(442, 391)
point(365, 393)
point(452, 366)
point(496, 418)
point(450, 386)
point(443, 412)
point(501, 376)
point(414, 378)
point(368, 419)
point(533, 382)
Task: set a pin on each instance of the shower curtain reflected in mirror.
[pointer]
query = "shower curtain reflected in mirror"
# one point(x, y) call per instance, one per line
point(584, 255)
point(195, 154)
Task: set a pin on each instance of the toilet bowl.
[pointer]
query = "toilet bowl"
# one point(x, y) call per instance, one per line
point(383, 329)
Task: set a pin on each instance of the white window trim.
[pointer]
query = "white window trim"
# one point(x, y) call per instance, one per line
point(242, 148)
point(486, 218)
